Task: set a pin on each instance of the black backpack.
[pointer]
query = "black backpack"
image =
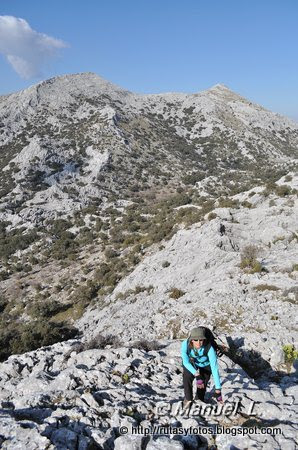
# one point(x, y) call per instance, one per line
point(210, 342)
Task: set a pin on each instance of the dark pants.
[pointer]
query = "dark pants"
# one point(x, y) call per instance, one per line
point(188, 378)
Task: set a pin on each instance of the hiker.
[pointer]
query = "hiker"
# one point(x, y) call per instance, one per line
point(199, 361)
point(222, 229)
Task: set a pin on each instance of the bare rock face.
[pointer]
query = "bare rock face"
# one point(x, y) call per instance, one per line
point(130, 398)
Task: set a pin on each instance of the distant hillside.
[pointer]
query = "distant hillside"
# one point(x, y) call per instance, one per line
point(78, 140)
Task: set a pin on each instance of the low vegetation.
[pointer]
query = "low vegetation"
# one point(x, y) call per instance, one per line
point(291, 355)
point(99, 341)
point(249, 259)
point(145, 344)
point(266, 287)
point(176, 293)
point(23, 337)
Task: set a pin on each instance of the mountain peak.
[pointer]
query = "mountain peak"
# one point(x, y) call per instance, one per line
point(224, 92)
point(87, 82)
point(220, 86)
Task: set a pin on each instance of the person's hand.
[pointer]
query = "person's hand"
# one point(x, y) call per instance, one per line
point(218, 396)
point(200, 383)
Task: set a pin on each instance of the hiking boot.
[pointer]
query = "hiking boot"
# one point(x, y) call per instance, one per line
point(187, 404)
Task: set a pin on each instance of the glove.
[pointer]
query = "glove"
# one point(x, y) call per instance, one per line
point(200, 383)
point(218, 397)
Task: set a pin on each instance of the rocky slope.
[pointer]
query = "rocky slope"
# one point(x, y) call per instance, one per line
point(202, 274)
point(140, 216)
point(61, 397)
point(75, 395)
point(91, 171)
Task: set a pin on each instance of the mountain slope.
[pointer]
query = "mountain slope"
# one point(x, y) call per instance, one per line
point(201, 274)
point(94, 177)
point(77, 138)
point(139, 217)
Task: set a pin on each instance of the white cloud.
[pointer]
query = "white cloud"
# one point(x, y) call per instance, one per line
point(26, 49)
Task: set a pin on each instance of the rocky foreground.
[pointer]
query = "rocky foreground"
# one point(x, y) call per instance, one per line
point(60, 397)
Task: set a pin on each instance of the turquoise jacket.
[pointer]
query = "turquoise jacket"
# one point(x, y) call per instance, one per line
point(201, 361)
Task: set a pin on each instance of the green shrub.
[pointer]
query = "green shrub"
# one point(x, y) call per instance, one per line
point(100, 342)
point(144, 344)
point(246, 204)
point(133, 227)
point(211, 216)
point(20, 338)
point(46, 309)
point(15, 240)
point(4, 275)
point(256, 267)
point(194, 217)
point(130, 240)
point(291, 354)
point(283, 190)
point(3, 304)
point(176, 293)
point(125, 378)
point(138, 289)
point(98, 224)
point(266, 287)
point(248, 259)
point(111, 253)
point(101, 271)
point(58, 226)
point(193, 178)
point(288, 178)
point(86, 292)
point(64, 246)
point(228, 203)
point(41, 333)
point(85, 237)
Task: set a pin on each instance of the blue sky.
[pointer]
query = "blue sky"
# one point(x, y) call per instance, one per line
point(151, 46)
